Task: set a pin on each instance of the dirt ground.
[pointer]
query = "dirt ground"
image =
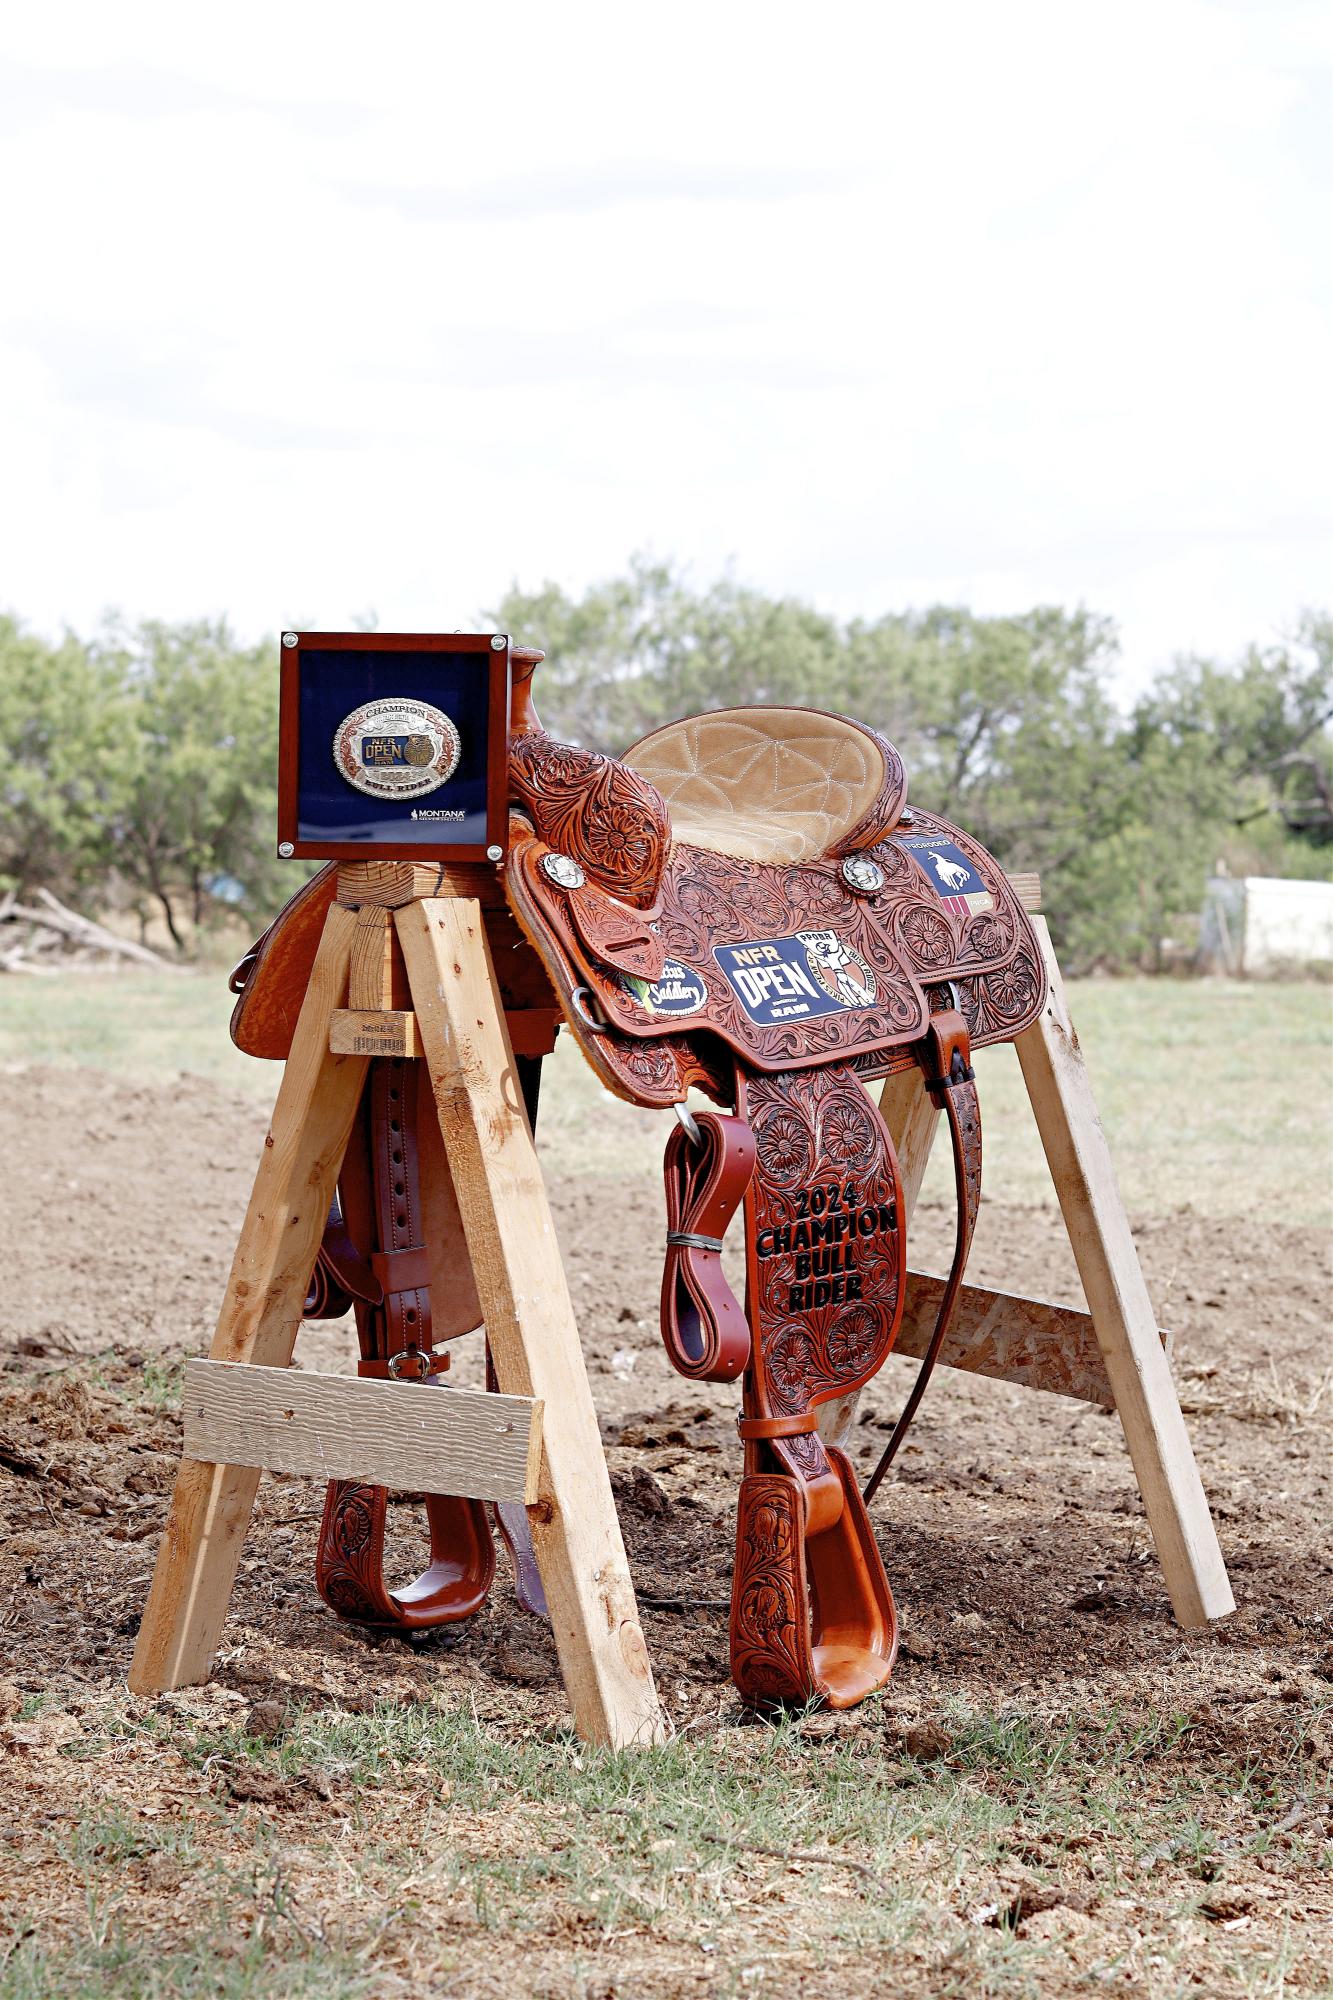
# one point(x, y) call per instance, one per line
point(1013, 1533)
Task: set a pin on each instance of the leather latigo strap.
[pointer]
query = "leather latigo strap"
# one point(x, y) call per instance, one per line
point(380, 1193)
point(945, 1058)
point(707, 1169)
point(511, 1519)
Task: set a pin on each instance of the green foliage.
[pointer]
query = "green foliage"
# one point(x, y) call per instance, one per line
point(68, 732)
point(144, 767)
point(142, 764)
point(1007, 726)
point(201, 794)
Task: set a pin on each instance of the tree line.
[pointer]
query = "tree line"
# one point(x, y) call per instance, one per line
point(141, 762)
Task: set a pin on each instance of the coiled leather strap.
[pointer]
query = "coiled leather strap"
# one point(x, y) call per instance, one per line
point(705, 1330)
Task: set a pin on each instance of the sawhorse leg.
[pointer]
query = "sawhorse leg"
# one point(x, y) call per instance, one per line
point(260, 1319)
point(529, 1318)
point(1126, 1326)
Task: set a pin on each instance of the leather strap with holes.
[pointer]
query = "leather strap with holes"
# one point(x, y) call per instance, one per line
point(381, 1183)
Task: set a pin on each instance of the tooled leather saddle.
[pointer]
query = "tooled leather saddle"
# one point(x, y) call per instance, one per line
point(742, 905)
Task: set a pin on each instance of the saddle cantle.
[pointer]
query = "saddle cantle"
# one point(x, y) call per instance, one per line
point(743, 905)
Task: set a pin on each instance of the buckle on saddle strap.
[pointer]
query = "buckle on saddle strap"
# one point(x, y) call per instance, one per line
point(410, 1364)
point(945, 1050)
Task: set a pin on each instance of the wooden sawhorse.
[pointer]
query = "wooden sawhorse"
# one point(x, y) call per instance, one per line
point(538, 1441)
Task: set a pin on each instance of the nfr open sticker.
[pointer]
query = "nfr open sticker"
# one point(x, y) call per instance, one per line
point(796, 978)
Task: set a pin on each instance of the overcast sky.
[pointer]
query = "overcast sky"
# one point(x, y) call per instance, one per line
point(308, 311)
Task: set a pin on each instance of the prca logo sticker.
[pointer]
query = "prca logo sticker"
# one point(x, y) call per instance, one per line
point(844, 977)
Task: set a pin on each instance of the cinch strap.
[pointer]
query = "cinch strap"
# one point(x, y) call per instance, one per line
point(707, 1171)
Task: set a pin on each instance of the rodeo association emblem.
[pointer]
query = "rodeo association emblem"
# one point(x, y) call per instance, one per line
point(949, 872)
point(678, 991)
point(396, 748)
point(845, 978)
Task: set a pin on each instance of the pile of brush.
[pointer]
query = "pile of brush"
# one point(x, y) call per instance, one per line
point(44, 936)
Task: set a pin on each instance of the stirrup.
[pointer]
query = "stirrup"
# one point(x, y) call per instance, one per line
point(349, 1560)
point(812, 1616)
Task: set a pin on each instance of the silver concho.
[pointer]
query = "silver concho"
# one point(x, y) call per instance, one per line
point(396, 748)
point(563, 870)
point(860, 872)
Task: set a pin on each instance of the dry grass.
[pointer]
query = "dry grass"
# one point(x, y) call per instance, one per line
point(412, 1850)
point(1200, 1107)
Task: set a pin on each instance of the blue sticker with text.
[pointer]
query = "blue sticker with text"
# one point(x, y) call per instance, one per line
point(678, 991)
point(945, 867)
point(796, 978)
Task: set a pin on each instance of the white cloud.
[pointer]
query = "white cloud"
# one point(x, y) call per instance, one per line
point(310, 309)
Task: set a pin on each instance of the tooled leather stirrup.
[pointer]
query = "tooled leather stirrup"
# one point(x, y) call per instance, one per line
point(381, 1188)
point(813, 1616)
point(945, 1059)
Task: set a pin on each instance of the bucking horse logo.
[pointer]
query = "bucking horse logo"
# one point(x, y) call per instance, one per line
point(949, 872)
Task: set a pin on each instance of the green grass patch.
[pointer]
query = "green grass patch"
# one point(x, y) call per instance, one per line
point(215, 1963)
point(454, 1846)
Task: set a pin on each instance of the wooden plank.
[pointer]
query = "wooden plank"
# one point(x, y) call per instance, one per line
point(423, 1438)
point(259, 1321)
point(1015, 1339)
point(355, 1031)
point(376, 979)
point(392, 885)
point(912, 1120)
point(530, 1319)
point(387, 885)
point(1027, 888)
point(1099, 1233)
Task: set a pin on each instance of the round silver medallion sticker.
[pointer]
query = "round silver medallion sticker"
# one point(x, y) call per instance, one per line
point(396, 748)
point(860, 872)
point(563, 870)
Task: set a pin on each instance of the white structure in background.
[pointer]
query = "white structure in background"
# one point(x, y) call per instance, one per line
point(1258, 926)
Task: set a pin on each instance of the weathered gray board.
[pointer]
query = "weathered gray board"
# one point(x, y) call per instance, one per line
point(408, 1435)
